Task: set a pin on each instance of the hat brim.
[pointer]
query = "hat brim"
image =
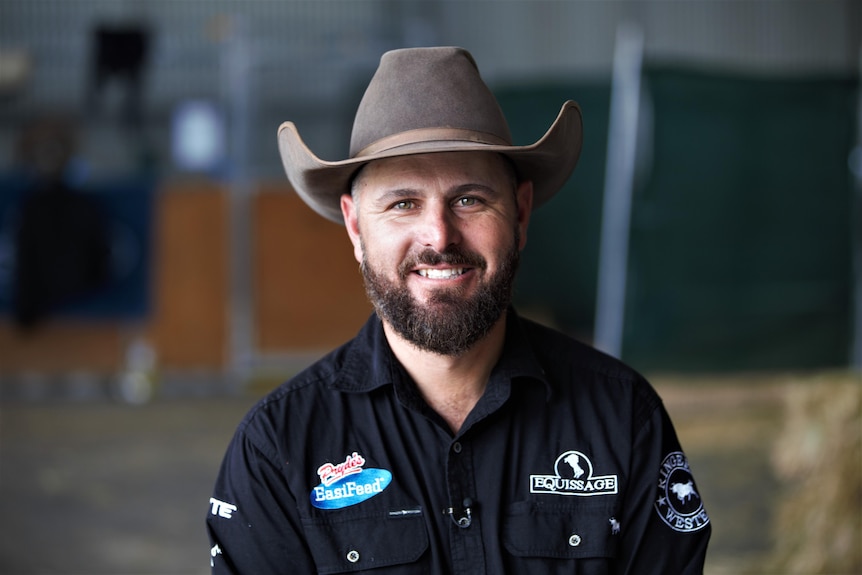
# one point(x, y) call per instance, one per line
point(548, 162)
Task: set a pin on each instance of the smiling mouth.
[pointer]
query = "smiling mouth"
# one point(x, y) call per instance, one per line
point(436, 274)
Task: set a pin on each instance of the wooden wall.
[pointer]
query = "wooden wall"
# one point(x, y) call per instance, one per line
point(307, 295)
point(308, 291)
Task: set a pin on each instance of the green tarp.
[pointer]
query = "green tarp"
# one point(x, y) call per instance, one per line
point(741, 232)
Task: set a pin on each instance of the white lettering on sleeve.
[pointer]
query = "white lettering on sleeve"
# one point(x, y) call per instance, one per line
point(221, 508)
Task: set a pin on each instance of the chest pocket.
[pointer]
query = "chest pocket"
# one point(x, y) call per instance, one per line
point(347, 543)
point(567, 530)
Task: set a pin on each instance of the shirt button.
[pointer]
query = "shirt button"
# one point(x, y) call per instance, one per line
point(353, 555)
point(456, 447)
point(575, 540)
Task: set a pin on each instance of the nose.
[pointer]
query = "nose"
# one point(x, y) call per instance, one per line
point(439, 227)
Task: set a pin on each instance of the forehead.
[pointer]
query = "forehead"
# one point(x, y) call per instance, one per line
point(478, 167)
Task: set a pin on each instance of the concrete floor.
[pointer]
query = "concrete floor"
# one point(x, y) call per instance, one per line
point(105, 488)
point(94, 486)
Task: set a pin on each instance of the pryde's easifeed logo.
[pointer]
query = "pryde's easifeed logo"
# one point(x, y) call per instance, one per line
point(574, 476)
point(678, 503)
point(347, 483)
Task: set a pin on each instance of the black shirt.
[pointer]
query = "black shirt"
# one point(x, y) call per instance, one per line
point(567, 464)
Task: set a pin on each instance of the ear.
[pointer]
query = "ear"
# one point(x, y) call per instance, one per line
point(524, 196)
point(351, 222)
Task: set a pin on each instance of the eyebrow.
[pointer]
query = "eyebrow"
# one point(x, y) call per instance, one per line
point(475, 187)
point(396, 194)
point(393, 195)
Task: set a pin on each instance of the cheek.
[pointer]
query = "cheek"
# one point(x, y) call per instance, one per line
point(497, 238)
point(383, 251)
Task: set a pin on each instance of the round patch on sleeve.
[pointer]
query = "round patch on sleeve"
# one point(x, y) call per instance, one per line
point(678, 503)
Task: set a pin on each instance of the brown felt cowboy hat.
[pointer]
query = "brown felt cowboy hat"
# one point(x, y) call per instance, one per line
point(424, 100)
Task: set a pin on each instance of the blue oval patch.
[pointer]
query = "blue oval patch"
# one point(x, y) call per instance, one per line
point(350, 490)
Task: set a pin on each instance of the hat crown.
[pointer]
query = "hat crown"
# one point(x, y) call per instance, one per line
point(427, 88)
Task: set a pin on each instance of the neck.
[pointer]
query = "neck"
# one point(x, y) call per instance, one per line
point(451, 385)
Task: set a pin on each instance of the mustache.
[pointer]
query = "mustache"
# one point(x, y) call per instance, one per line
point(453, 256)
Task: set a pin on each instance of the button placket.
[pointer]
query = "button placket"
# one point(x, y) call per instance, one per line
point(465, 535)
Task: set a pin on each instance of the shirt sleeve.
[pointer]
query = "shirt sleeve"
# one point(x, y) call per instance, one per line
point(664, 525)
point(252, 523)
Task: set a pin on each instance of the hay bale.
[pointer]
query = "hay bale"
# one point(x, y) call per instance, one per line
point(818, 459)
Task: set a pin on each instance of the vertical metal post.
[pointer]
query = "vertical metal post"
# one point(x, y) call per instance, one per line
point(619, 181)
point(236, 77)
point(855, 162)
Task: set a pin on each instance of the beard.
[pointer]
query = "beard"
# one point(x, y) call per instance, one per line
point(450, 322)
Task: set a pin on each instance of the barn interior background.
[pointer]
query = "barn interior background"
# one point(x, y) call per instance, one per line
point(168, 275)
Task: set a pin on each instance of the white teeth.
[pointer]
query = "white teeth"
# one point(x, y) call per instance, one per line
point(441, 274)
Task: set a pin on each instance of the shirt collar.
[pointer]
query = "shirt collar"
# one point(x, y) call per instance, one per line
point(369, 362)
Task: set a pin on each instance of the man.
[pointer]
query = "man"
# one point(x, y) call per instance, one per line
point(451, 435)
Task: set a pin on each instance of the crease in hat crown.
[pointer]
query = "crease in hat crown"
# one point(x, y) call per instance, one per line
point(423, 100)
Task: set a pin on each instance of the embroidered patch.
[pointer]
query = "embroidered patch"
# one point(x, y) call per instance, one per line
point(573, 476)
point(347, 483)
point(679, 504)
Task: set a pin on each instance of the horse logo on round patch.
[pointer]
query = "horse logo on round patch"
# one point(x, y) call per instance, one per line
point(678, 503)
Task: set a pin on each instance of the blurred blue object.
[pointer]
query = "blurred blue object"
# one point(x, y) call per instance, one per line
point(198, 138)
point(125, 208)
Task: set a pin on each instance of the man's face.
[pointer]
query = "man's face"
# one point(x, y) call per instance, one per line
point(439, 236)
